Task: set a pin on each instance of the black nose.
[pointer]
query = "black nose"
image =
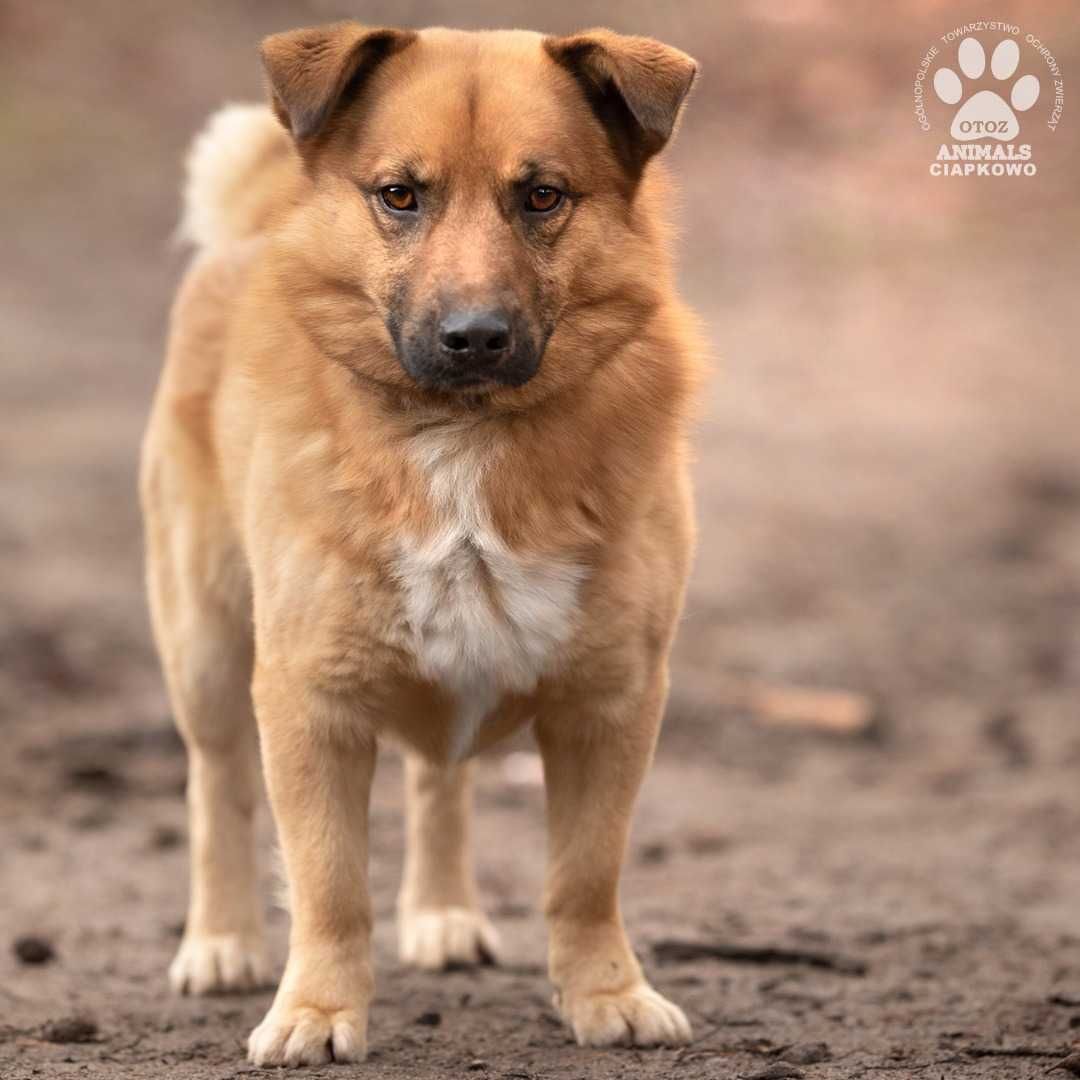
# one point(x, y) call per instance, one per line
point(474, 337)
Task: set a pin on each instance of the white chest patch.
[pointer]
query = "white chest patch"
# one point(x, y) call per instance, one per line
point(484, 619)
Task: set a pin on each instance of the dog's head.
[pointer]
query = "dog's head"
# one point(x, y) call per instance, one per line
point(472, 224)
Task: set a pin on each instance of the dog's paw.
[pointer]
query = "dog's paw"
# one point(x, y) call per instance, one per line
point(636, 1017)
point(439, 938)
point(307, 1035)
point(219, 963)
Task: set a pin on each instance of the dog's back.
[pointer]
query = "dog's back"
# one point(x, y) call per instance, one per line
point(242, 173)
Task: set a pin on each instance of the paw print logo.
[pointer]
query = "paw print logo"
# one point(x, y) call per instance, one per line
point(986, 114)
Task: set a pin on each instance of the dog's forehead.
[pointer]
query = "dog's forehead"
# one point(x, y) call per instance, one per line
point(490, 96)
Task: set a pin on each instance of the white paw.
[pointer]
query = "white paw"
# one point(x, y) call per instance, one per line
point(636, 1017)
point(438, 938)
point(308, 1035)
point(213, 963)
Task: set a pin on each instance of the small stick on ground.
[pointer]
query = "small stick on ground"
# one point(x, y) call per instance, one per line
point(674, 951)
point(1013, 1051)
point(841, 712)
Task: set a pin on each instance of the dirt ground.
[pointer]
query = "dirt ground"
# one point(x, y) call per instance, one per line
point(888, 480)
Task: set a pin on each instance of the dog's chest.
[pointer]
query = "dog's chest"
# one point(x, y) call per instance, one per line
point(483, 620)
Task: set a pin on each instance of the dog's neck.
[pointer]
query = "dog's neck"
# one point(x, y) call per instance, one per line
point(552, 476)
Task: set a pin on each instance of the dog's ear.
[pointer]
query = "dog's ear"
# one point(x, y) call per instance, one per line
point(313, 71)
point(635, 85)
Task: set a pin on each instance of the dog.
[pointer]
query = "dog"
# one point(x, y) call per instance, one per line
point(416, 471)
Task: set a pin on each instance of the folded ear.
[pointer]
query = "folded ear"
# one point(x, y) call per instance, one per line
point(635, 85)
point(313, 71)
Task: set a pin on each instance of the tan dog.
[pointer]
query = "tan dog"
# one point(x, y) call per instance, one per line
point(416, 470)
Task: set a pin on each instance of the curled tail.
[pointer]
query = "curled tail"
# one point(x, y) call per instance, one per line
point(239, 169)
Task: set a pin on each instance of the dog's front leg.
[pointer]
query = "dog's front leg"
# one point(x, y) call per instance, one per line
point(318, 767)
point(594, 762)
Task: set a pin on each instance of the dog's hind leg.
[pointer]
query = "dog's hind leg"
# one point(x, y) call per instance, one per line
point(440, 923)
point(198, 603)
point(222, 948)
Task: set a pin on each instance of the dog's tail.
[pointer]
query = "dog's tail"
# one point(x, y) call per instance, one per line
point(238, 169)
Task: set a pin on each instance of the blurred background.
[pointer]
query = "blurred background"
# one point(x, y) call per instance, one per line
point(888, 481)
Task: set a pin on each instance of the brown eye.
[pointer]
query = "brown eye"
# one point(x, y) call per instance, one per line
point(542, 200)
point(399, 197)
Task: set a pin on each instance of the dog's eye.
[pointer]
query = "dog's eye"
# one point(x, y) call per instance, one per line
point(542, 200)
point(399, 197)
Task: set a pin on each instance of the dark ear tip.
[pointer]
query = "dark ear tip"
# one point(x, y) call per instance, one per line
point(394, 39)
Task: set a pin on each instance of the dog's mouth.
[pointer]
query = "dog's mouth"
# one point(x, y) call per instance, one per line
point(475, 382)
point(464, 382)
